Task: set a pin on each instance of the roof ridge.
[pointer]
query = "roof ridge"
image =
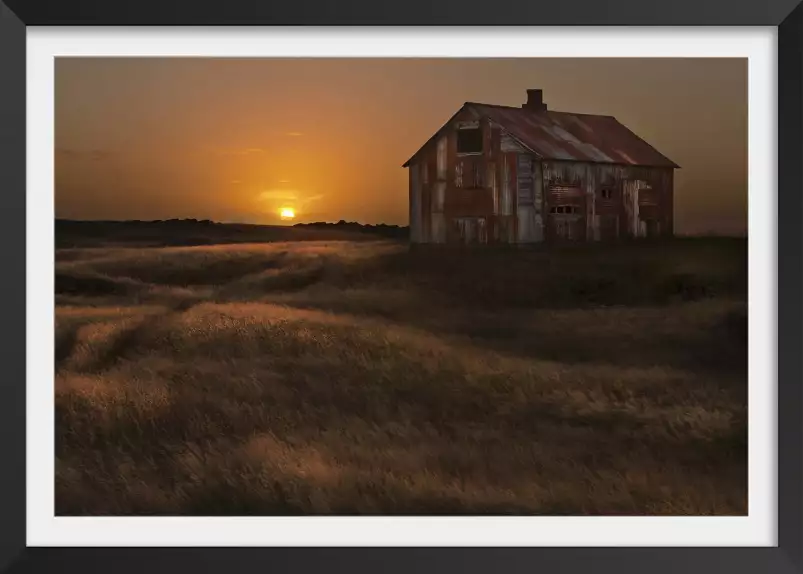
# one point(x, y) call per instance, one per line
point(530, 111)
point(490, 105)
point(598, 149)
point(582, 114)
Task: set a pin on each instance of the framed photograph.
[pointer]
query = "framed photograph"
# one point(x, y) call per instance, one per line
point(421, 288)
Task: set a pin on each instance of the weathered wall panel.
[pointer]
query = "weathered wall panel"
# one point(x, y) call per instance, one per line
point(438, 196)
point(512, 192)
point(438, 232)
point(442, 163)
point(507, 185)
point(631, 205)
point(504, 229)
point(611, 190)
point(508, 144)
point(415, 204)
point(492, 184)
point(524, 179)
point(471, 230)
point(538, 200)
point(526, 224)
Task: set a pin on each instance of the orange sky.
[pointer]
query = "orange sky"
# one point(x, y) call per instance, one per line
point(237, 140)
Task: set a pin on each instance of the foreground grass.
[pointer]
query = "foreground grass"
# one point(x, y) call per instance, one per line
point(358, 378)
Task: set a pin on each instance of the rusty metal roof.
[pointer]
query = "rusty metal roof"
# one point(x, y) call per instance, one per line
point(572, 137)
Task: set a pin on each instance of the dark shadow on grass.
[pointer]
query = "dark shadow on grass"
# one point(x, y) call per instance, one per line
point(127, 340)
point(65, 343)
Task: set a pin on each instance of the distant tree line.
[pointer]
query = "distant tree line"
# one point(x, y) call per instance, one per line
point(379, 229)
point(204, 226)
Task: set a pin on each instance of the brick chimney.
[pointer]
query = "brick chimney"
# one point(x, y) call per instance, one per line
point(535, 101)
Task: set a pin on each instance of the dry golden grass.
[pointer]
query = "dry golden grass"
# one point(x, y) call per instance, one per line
point(359, 378)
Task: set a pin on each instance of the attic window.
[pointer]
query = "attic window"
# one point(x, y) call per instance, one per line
point(469, 140)
point(606, 193)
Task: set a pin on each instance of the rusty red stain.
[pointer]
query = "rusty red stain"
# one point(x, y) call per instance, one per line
point(540, 176)
point(574, 137)
point(568, 136)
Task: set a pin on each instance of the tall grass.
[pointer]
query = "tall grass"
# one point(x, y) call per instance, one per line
point(361, 378)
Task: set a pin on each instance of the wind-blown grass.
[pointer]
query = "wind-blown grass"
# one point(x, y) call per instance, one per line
point(360, 378)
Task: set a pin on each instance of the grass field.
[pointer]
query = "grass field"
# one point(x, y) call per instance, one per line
point(356, 377)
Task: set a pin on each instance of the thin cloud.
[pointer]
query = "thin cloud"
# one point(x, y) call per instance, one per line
point(288, 195)
point(278, 195)
point(294, 134)
point(240, 151)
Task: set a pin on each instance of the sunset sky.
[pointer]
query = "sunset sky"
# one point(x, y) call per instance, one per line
point(238, 140)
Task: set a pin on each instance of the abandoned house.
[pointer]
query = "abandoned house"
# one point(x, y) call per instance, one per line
point(497, 174)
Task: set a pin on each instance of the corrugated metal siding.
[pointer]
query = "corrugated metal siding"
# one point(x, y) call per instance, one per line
point(508, 144)
point(438, 196)
point(524, 179)
point(506, 196)
point(630, 202)
point(538, 200)
point(513, 191)
point(573, 137)
point(438, 233)
point(527, 224)
point(505, 229)
point(617, 217)
point(471, 229)
point(494, 187)
point(415, 205)
point(442, 142)
point(566, 227)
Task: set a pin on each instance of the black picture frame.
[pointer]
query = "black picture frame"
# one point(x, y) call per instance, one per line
point(15, 15)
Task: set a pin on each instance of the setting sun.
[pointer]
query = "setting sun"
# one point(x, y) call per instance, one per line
point(287, 213)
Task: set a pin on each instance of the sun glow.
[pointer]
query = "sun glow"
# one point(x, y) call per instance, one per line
point(287, 213)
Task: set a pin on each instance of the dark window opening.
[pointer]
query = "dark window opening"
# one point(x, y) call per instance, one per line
point(564, 209)
point(469, 140)
point(606, 193)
